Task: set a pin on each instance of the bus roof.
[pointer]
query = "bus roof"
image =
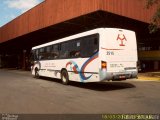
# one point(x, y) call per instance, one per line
point(97, 30)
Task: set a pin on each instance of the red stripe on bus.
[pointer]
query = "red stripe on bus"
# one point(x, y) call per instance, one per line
point(111, 49)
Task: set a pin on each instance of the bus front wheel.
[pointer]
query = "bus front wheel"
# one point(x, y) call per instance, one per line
point(64, 77)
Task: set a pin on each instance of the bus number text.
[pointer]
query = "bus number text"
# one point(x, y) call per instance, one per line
point(110, 53)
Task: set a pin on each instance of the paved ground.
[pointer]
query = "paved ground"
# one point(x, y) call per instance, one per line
point(21, 93)
point(150, 76)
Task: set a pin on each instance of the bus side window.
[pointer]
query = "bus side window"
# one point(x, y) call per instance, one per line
point(36, 55)
point(74, 49)
point(64, 53)
point(41, 53)
point(48, 52)
point(95, 45)
point(85, 47)
point(89, 45)
point(55, 51)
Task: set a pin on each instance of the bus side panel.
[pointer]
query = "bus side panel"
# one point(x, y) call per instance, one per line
point(80, 70)
point(46, 69)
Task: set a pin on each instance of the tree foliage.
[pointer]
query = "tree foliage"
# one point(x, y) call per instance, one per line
point(155, 23)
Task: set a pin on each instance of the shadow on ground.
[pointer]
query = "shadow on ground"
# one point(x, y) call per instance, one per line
point(97, 86)
point(103, 86)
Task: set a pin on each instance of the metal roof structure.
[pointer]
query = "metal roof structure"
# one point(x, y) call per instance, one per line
point(53, 12)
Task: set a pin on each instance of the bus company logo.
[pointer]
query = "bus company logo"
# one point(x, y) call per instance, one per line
point(121, 38)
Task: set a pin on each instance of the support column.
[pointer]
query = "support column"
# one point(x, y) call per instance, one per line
point(24, 60)
point(0, 61)
point(156, 65)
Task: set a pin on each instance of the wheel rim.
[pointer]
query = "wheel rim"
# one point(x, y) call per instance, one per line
point(64, 78)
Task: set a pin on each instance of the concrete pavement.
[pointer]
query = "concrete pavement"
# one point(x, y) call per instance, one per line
point(21, 93)
point(149, 76)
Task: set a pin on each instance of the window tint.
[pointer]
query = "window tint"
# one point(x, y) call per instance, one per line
point(81, 47)
point(70, 49)
point(47, 52)
point(89, 45)
point(42, 54)
point(54, 52)
point(36, 57)
point(74, 48)
point(64, 51)
point(48, 49)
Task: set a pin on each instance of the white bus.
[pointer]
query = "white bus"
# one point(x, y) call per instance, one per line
point(92, 56)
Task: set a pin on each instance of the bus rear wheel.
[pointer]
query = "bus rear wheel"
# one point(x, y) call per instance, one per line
point(37, 73)
point(64, 77)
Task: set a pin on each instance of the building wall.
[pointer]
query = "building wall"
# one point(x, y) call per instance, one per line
point(51, 12)
point(149, 55)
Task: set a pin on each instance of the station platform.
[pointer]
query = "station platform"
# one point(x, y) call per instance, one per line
point(149, 76)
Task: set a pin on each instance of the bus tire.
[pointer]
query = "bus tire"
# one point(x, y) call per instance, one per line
point(64, 77)
point(36, 73)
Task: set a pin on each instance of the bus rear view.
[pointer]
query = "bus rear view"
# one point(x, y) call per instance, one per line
point(91, 56)
point(118, 54)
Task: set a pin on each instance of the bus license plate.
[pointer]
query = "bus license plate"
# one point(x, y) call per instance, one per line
point(122, 76)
